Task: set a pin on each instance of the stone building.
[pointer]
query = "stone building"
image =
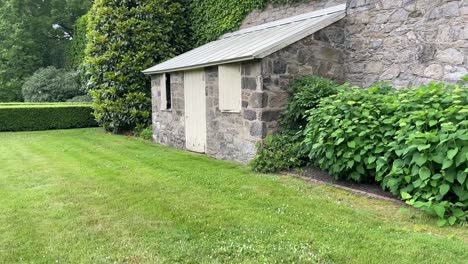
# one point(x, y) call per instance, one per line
point(224, 97)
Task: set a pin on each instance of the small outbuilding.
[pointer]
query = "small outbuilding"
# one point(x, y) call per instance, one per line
point(224, 97)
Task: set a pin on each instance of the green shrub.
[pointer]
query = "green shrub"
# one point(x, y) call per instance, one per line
point(431, 148)
point(51, 85)
point(305, 94)
point(345, 134)
point(29, 117)
point(285, 150)
point(282, 151)
point(144, 133)
point(413, 141)
point(126, 37)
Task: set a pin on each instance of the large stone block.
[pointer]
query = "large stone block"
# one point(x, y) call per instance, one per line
point(451, 56)
point(277, 99)
point(434, 71)
point(270, 115)
point(454, 73)
point(258, 129)
point(391, 72)
point(450, 9)
point(279, 67)
point(257, 100)
point(250, 115)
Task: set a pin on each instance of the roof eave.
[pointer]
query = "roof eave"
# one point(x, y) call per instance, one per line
point(338, 13)
point(198, 66)
point(301, 35)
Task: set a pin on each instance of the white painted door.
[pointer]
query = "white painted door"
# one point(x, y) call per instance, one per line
point(195, 110)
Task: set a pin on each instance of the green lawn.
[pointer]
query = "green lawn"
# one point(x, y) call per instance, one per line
point(83, 196)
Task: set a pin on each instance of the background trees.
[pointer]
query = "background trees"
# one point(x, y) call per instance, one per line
point(121, 38)
point(34, 34)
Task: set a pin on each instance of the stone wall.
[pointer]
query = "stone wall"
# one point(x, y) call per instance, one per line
point(408, 42)
point(320, 54)
point(169, 125)
point(231, 136)
point(234, 136)
point(275, 11)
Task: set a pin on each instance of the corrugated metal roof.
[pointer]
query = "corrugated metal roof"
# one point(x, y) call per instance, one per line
point(254, 42)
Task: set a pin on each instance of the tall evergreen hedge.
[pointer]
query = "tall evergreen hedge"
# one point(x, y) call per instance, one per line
point(124, 38)
point(76, 49)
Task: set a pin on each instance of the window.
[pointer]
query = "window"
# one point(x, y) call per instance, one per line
point(166, 96)
point(230, 99)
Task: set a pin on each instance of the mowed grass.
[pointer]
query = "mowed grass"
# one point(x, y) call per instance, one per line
point(84, 196)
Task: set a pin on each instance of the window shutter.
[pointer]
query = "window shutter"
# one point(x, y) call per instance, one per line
point(163, 92)
point(230, 92)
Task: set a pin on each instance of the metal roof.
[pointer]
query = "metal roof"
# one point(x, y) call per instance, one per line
point(254, 42)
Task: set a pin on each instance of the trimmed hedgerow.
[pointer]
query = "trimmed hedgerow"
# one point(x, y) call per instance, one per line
point(413, 141)
point(30, 117)
point(284, 150)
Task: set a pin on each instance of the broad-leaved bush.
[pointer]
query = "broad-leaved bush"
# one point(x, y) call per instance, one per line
point(285, 150)
point(412, 141)
point(52, 85)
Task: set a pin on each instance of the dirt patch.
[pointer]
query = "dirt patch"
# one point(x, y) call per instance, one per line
point(367, 189)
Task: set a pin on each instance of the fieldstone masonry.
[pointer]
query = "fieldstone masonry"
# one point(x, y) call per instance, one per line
point(407, 42)
point(234, 136)
point(169, 125)
point(275, 12)
point(320, 54)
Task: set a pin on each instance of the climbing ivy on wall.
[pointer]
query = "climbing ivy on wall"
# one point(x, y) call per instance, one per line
point(212, 18)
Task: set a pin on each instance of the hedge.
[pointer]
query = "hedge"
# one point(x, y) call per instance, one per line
point(29, 117)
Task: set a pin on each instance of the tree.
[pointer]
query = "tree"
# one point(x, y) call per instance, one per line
point(33, 34)
point(52, 85)
point(126, 37)
point(76, 49)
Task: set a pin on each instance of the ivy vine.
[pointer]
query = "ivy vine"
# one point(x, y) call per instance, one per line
point(212, 18)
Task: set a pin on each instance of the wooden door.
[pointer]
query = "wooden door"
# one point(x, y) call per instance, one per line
point(195, 110)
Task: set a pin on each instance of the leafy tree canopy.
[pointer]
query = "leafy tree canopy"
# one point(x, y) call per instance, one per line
point(33, 34)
